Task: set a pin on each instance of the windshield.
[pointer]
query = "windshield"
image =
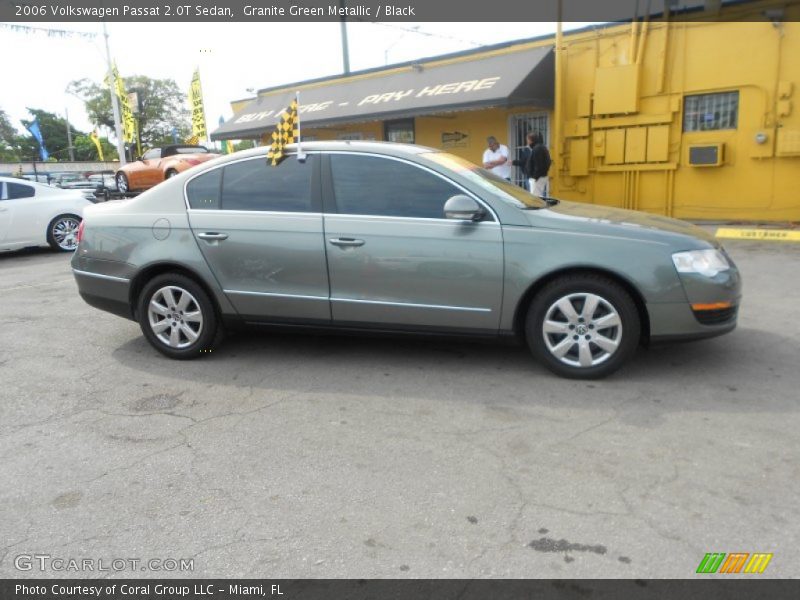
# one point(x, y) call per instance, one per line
point(192, 150)
point(505, 190)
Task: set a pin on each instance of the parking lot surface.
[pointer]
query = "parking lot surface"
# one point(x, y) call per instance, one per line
point(332, 456)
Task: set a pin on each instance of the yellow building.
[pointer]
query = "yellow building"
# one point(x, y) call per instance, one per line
point(697, 120)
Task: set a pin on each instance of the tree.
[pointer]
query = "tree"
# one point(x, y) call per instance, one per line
point(162, 106)
point(9, 140)
point(86, 150)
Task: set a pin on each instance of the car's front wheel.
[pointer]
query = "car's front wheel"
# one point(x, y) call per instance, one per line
point(122, 183)
point(583, 326)
point(170, 174)
point(62, 233)
point(177, 317)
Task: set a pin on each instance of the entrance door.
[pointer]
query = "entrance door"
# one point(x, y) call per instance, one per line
point(394, 259)
point(521, 126)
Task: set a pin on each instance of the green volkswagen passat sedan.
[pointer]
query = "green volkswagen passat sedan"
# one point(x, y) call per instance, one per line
point(398, 238)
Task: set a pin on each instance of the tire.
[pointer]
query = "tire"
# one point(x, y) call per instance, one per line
point(170, 174)
point(586, 343)
point(62, 233)
point(167, 327)
point(122, 183)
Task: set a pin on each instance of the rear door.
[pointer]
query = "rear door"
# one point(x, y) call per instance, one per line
point(395, 260)
point(260, 230)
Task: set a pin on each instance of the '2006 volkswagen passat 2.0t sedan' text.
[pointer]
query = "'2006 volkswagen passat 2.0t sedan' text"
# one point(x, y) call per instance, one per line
point(398, 238)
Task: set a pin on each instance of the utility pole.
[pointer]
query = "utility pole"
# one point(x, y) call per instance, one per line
point(343, 28)
point(557, 112)
point(69, 138)
point(114, 103)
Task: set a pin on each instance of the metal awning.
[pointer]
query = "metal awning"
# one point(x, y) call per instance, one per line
point(506, 79)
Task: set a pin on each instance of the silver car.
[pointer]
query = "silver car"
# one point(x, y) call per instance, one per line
point(398, 238)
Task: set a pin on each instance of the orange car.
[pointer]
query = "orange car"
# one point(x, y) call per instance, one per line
point(159, 164)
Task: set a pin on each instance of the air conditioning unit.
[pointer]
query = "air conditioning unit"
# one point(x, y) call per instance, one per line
point(706, 155)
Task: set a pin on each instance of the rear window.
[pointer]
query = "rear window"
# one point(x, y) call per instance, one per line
point(203, 191)
point(19, 190)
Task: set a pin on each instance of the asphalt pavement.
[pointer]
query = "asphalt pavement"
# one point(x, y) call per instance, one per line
point(333, 456)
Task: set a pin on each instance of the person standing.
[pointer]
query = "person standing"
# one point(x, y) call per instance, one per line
point(538, 166)
point(496, 159)
point(522, 161)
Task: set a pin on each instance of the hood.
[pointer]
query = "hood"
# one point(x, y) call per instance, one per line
point(591, 218)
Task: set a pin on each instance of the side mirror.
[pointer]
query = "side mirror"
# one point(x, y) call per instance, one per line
point(139, 158)
point(463, 208)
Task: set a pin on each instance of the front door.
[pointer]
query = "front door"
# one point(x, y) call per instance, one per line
point(395, 260)
point(259, 228)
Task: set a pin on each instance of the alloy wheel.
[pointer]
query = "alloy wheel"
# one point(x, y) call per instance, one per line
point(65, 233)
point(582, 329)
point(175, 317)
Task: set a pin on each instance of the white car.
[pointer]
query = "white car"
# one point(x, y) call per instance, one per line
point(35, 214)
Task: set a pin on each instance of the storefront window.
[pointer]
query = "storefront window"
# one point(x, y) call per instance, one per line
point(707, 112)
point(401, 131)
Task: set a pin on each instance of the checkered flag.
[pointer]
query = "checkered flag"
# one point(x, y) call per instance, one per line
point(286, 132)
point(193, 140)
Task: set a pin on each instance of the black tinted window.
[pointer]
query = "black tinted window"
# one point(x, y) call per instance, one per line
point(203, 191)
point(368, 185)
point(255, 185)
point(18, 190)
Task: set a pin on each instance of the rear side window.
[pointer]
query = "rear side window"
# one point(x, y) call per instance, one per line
point(18, 190)
point(203, 191)
point(369, 185)
point(254, 185)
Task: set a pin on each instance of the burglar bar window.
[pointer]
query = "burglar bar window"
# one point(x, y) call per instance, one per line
point(707, 112)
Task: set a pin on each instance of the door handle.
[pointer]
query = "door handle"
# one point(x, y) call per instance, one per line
point(346, 242)
point(213, 235)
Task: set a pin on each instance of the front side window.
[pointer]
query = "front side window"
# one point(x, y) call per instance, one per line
point(152, 154)
point(709, 112)
point(258, 186)
point(19, 190)
point(370, 185)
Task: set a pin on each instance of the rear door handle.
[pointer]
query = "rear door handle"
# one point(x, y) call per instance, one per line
point(346, 242)
point(212, 235)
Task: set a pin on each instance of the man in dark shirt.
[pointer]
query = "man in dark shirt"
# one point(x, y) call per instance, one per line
point(524, 157)
point(538, 165)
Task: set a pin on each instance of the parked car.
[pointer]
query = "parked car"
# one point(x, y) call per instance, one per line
point(400, 238)
point(35, 214)
point(159, 164)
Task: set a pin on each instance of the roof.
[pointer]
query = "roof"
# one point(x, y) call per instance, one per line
point(520, 77)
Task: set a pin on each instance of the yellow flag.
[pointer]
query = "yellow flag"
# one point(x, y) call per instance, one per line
point(128, 120)
point(94, 137)
point(198, 111)
point(286, 132)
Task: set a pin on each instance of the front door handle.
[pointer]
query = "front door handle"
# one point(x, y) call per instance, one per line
point(346, 242)
point(213, 235)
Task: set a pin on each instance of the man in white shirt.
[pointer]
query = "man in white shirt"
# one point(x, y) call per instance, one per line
point(496, 159)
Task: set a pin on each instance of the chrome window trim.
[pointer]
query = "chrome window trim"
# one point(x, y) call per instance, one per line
point(419, 166)
point(101, 276)
point(329, 152)
point(413, 305)
point(255, 212)
point(222, 166)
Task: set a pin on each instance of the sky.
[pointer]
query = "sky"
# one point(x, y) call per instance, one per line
point(235, 59)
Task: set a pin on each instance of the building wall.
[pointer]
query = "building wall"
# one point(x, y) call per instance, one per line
point(623, 138)
point(462, 133)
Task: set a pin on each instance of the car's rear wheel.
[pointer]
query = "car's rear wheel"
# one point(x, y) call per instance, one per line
point(583, 326)
point(177, 317)
point(122, 183)
point(62, 233)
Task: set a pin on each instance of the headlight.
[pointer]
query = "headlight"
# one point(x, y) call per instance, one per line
point(705, 262)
